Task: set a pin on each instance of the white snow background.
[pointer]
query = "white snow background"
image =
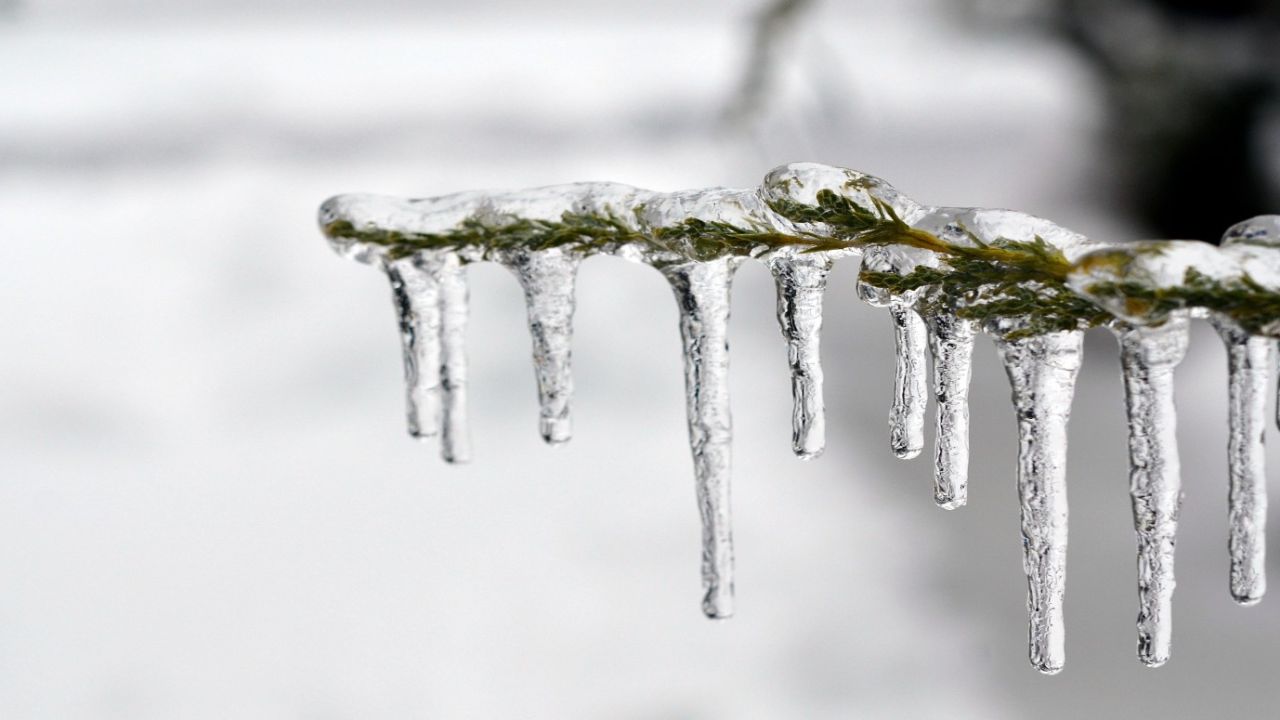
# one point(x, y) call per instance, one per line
point(209, 507)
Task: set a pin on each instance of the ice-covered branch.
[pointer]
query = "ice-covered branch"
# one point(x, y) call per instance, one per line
point(943, 273)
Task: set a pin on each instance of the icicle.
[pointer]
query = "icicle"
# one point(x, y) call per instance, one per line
point(801, 281)
point(906, 418)
point(547, 277)
point(702, 293)
point(1042, 371)
point(1148, 357)
point(951, 345)
point(1248, 365)
point(456, 435)
point(417, 301)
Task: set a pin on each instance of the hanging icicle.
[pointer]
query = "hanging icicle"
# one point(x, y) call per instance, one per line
point(1248, 367)
point(455, 436)
point(943, 274)
point(801, 281)
point(1042, 370)
point(906, 416)
point(951, 346)
point(702, 296)
point(910, 341)
point(416, 294)
point(1148, 357)
point(548, 278)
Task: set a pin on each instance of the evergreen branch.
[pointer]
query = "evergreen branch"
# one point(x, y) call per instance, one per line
point(977, 279)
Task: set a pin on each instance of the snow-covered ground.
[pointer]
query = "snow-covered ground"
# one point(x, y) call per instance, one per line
point(209, 508)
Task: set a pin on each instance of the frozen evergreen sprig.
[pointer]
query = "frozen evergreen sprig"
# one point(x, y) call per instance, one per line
point(984, 281)
point(693, 239)
point(987, 280)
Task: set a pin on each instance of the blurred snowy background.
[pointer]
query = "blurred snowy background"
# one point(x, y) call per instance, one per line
point(208, 504)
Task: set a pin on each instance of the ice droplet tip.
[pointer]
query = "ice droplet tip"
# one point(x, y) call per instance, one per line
point(950, 503)
point(556, 432)
point(1154, 662)
point(1247, 600)
point(808, 455)
point(907, 453)
point(717, 613)
point(717, 603)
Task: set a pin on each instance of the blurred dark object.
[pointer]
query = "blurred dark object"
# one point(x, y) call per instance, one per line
point(1189, 86)
point(772, 27)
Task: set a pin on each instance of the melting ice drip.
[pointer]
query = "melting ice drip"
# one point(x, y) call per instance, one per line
point(943, 273)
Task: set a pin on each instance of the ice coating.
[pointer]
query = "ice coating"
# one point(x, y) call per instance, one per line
point(1249, 360)
point(702, 296)
point(990, 224)
point(1145, 282)
point(942, 272)
point(1148, 357)
point(974, 227)
point(951, 346)
point(1153, 265)
point(1261, 230)
point(801, 281)
point(548, 278)
point(1042, 371)
point(1018, 263)
point(804, 184)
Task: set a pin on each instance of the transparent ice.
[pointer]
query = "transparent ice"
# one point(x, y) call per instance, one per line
point(1148, 357)
point(702, 295)
point(415, 290)
point(951, 345)
point(548, 278)
point(1042, 371)
point(1249, 360)
point(455, 434)
point(906, 414)
point(801, 282)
